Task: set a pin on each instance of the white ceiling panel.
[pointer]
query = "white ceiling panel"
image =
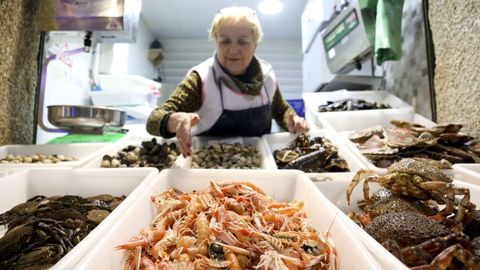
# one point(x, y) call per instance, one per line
point(192, 18)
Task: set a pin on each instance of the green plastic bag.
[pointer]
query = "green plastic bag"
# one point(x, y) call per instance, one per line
point(383, 24)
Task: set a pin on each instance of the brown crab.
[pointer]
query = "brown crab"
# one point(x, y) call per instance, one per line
point(417, 179)
point(440, 250)
point(385, 202)
point(437, 253)
point(405, 228)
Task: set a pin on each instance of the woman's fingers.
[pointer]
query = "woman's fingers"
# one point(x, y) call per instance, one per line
point(301, 126)
point(297, 124)
point(195, 119)
point(184, 138)
point(291, 124)
point(184, 133)
point(185, 142)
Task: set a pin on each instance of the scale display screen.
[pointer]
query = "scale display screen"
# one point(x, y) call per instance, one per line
point(341, 30)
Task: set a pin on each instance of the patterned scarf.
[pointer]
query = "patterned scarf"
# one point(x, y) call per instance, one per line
point(249, 83)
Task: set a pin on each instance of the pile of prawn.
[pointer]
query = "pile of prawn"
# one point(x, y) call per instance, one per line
point(229, 225)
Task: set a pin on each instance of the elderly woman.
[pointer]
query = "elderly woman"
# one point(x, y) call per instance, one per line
point(232, 93)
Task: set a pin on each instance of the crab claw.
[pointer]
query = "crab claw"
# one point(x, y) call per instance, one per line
point(357, 178)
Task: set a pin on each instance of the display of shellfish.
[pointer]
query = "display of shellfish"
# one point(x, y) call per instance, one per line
point(227, 156)
point(351, 104)
point(149, 154)
point(232, 225)
point(442, 143)
point(36, 158)
point(316, 154)
point(408, 219)
point(43, 229)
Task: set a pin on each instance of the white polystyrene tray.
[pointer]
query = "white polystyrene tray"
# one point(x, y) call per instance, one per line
point(279, 140)
point(474, 167)
point(351, 120)
point(267, 160)
point(335, 191)
point(469, 173)
point(18, 187)
point(314, 123)
point(286, 185)
point(6, 172)
point(343, 136)
point(84, 152)
point(96, 162)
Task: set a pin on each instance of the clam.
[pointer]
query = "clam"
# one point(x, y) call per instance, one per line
point(36, 158)
point(226, 156)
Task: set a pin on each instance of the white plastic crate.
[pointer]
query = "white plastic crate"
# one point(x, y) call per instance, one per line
point(18, 187)
point(84, 152)
point(474, 167)
point(284, 185)
point(352, 120)
point(313, 122)
point(280, 140)
point(466, 172)
point(343, 136)
point(266, 159)
point(335, 191)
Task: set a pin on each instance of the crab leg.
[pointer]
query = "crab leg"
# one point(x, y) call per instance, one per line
point(444, 192)
point(366, 188)
point(423, 253)
point(357, 178)
point(444, 259)
point(464, 203)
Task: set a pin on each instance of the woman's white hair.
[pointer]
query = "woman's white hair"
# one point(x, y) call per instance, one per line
point(235, 15)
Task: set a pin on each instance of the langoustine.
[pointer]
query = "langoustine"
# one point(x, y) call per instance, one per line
point(232, 225)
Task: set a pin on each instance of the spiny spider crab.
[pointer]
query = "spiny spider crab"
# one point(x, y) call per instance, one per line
point(419, 180)
point(437, 253)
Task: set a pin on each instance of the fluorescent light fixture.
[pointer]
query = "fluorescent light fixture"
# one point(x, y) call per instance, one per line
point(270, 7)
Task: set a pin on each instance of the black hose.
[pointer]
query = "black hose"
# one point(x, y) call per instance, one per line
point(430, 60)
point(37, 87)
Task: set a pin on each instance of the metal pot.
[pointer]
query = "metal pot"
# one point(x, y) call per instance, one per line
point(77, 117)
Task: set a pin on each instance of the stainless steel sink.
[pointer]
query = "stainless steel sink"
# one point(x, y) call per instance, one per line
point(77, 117)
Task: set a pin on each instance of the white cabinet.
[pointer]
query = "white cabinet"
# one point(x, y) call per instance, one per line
point(314, 67)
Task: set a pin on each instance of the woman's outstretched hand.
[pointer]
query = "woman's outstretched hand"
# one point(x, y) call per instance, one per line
point(181, 124)
point(297, 124)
